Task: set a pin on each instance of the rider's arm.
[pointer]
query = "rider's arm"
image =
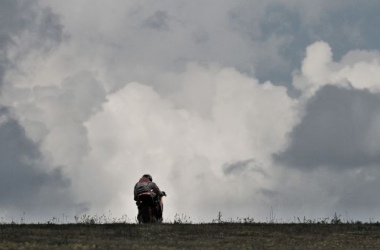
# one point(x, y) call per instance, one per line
point(156, 189)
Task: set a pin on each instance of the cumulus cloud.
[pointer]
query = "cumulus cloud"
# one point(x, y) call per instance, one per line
point(183, 149)
point(357, 68)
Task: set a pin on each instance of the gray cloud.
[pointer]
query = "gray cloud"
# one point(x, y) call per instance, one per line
point(339, 129)
point(241, 167)
point(158, 21)
point(323, 192)
point(25, 184)
point(269, 193)
point(13, 25)
point(25, 18)
point(359, 192)
point(28, 183)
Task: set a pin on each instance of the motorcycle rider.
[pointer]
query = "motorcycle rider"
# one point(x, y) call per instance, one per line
point(146, 186)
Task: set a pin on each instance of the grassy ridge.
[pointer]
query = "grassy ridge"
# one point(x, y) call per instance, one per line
point(177, 236)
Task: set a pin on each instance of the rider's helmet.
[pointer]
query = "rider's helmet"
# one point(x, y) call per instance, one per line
point(148, 176)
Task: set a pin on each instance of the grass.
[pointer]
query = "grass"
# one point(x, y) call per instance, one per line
point(95, 233)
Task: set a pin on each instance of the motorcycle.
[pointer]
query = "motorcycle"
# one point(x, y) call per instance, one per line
point(150, 209)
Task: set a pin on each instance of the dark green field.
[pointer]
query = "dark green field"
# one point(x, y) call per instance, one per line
point(191, 236)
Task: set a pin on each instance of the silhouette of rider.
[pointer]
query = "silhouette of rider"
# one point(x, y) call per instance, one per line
point(146, 186)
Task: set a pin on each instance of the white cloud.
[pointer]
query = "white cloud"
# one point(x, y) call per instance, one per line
point(184, 151)
point(361, 69)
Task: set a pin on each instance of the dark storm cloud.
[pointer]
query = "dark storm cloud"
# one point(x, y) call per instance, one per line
point(23, 178)
point(17, 18)
point(337, 131)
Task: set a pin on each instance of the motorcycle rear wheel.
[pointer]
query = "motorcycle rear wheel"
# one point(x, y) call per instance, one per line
point(146, 216)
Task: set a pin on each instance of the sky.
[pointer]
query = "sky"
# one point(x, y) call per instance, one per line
point(244, 107)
